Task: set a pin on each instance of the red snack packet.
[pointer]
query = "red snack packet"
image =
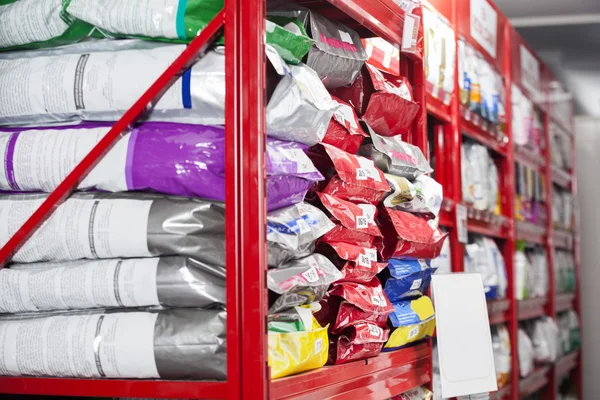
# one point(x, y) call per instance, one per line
point(385, 102)
point(356, 222)
point(344, 131)
point(352, 192)
point(362, 340)
point(408, 235)
point(357, 263)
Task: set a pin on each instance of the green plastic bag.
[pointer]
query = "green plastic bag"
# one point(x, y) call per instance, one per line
point(34, 24)
point(289, 38)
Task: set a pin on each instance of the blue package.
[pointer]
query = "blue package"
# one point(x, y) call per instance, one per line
point(407, 278)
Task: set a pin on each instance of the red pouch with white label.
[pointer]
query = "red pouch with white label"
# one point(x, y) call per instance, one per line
point(339, 314)
point(357, 263)
point(356, 222)
point(358, 341)
point(344, 131)
point(385, 102)
point(408, 235)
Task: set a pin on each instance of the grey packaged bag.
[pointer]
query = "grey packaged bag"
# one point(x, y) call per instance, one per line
point(292, 232)
point(118, 225)
point(337, 54)
point(113, 283)
point(301, 282)
point(148, 344)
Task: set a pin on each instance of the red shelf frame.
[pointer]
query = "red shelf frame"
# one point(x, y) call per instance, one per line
point(390, 373)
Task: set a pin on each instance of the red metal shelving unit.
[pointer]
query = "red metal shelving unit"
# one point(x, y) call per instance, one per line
point(390, 373)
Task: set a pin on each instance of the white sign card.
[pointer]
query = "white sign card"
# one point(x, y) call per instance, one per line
point(464, 339)
point(484, 25)
point(530, 73)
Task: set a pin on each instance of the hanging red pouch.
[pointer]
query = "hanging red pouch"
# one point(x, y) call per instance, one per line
point(408, 235)
point(383, 101)
point(357, 263)
point(344, 131)
point(356, 222)
point(359, 341)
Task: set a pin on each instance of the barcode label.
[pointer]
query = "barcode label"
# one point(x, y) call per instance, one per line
point(345, 36)
point(376, 299)
point(375, 331)
point(369, 167)
point(413, 332)
point(362, 222)
point(361, 174)
point(416, 284)
point(311, 275)
point(364, 260)
point(371, 253)
point(369, 211)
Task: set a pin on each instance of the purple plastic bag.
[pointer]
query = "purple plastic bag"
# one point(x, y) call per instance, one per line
point(177, 159)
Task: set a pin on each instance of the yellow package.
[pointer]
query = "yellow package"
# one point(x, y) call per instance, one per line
point(413, 320)
point(294, 352)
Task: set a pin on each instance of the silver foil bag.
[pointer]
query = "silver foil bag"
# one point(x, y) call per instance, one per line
point(167, 344)
point(113, 283)
point(292, 232)
point(119, 225)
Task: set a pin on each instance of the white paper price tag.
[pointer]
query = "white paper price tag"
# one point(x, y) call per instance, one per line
point(374, 330)
point(362, 174)
point(461, 223)
point(413, 332)
point(318, 345)
point(371, 253)
point(364, 260)
point(362, 222)
point(416, 284)
point(311, 275)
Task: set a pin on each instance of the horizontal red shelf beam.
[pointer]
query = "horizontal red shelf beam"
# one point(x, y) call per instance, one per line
point(567, 363)
point(530, 159)
point(565, 302)
point(533, 233)
point(383, 376)
point(498, 311)
point(113, 388)
point(534, 382)
point(562, 239)
point(487, 223)
point(532, 308)
point(437, 109)
point(473, 126)
point(561, 178)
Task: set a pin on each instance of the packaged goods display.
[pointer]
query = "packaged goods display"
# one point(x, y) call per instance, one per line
point(564, 271)
point(531, 272)
point(406, 278)
point(49, 25)
point(480, 178)
point(443, 263)
point(569, 332)
point(502, 354)
point(114, 283)
point(412, 320)
point(562, 209)
point(483, 256)
point(177, 159)
point(526, 353)
point(357, 341)
point(168, 344)
point(344, 131)
point(336, 54)
point(560, 148)
point(530, 196)
point(526, 123)
point(440, 55)
point(420, 393)
point(544, 336)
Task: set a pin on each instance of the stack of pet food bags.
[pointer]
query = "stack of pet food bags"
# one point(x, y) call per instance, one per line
point(373, 212)
point(133, 265)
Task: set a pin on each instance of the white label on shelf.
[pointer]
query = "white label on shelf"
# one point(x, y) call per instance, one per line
point(413, 332)
point(79, 228)
point(151, 18)
point(345, 36)
point(530, 73)
point(41, 160)
point(461, 223)
point(111, 346)
point(459, 301)
point(30, 21)
point(484, 25)
point(416, 284)
point(79, 285)
point(93, 82)
point(410, 33)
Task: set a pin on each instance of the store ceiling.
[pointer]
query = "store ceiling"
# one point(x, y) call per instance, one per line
point(566, 35)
